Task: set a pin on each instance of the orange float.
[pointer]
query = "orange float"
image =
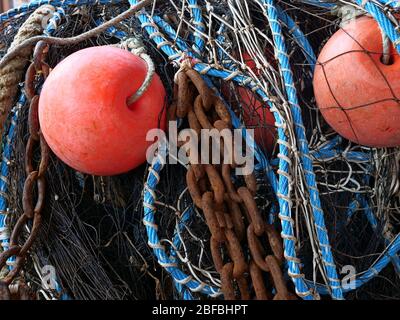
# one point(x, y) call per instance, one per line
point(356, 93)
point(260, 118)
point(256, 114)
point(84, 116)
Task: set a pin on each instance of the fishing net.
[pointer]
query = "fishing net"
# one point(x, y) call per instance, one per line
point(335, 203)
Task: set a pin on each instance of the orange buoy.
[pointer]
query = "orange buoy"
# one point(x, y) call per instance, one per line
point(258, 117)
point(84, 115)
point(356, 93)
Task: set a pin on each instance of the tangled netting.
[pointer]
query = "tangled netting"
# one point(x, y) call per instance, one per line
point(336, 203)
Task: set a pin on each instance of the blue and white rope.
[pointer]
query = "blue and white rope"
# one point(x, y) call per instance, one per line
point(54, 21)
point(319, 221)
point(177, 243)
point(4, 179)
point(395, 4)
point(33, 5)
point(168, 262)
point(197, 21)
point(391, 251)
point(298, 36)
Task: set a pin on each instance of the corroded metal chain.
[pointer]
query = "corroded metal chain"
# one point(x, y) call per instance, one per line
point(35, 184)
point(231, 213)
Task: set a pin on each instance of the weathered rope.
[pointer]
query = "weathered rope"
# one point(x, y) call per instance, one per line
point(136, 47)
point(73, 40)
point(12, 73)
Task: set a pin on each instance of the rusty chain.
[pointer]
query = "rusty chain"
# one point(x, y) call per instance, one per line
point(231, 213)
point(35, 184)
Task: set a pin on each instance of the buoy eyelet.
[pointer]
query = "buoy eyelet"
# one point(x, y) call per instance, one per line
point(389, 61)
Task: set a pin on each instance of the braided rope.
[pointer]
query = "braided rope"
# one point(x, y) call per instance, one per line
point(33, 5)
point(319, 221)
point(177, 243)
point(54, 21)
point(170, 32)
point(12, 73)
point(391, 251)
point(167, 262)
point(197, 18)
point(136, 47)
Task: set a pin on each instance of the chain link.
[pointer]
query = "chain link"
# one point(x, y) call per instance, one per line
point(227, 209)
point(35, 184)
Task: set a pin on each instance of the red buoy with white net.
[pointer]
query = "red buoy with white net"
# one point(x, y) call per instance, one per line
point(84, 115)
point(357, 93)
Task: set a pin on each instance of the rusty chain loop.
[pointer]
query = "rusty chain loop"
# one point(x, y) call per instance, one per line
point(231, 214)
point(35, 184)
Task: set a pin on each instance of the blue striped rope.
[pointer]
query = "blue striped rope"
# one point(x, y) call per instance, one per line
point(392, 250)
point(298, 36)
point(33, 5)
point(333, 149)
point(149, 219)
point(197, 20)
point(112, 31)
point(4, 179)
point(220, 39)
point(319, 221)
point(54, 21)
point(177, 243)
point(395, 4)
point(170, 32)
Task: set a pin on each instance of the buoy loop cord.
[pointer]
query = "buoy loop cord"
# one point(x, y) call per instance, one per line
point(385, 48)
point(147, 80)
